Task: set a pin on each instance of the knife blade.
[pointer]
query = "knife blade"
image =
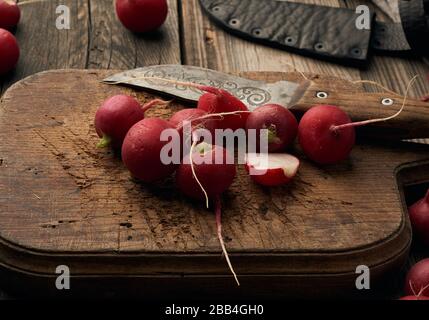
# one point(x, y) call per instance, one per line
point(251, 92)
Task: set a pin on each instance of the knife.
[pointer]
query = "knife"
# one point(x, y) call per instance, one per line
point(252, 93)
point(291, 91)
point(324, 32)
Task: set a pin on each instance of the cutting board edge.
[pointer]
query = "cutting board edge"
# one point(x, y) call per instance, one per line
point(98, 72)
point(18, 257)
point(260, 285)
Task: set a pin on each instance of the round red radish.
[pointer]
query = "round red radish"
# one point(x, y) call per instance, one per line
point(178, 119)
point(280, 122)
point(319, 139)
point(272, 169)
point(214, 171)
point(414, 298)
point(417, 281)
point(141, 150)
point(221, 101)
point(9, 51)
point(142, 15)
point(214, 168)
point(115, 117)
point(419, 216)
point(9, 14)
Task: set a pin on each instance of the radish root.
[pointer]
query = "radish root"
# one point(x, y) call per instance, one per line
point(219, 234)
point(194, 174)
point(412, 288)
point(362, 123)
point(423, 290)
point(218, 213)
point(195, 142)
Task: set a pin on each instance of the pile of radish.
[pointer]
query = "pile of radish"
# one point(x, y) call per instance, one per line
point(326, 136)
point(9, 48)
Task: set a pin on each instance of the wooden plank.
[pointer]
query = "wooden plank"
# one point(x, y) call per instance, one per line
point(45, 47)
point(112, 46)
point(64, 200)
point(206, 45)
point(96, 39)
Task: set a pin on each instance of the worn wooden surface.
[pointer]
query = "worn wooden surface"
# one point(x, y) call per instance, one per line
point(97, 40)
point(62, 199)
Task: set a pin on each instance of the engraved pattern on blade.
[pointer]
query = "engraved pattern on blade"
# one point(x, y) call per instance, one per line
point(252, 93)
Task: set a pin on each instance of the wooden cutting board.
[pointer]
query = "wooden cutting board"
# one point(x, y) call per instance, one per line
point(65, 202)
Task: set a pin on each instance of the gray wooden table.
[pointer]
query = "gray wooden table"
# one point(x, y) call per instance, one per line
point(96, 40)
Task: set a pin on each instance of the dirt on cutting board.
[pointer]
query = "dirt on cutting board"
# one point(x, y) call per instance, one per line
point(62, 199)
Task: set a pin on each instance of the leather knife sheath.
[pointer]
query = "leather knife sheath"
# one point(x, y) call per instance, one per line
point(320, 31)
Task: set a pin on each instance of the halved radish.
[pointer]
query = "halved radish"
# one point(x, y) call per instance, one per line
point(272, 169)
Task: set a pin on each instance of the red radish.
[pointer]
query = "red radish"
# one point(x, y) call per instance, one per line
point(194, 116)
point(280, 122)
point(419, 216)
point(207, 172)
point(318, 138)
point(116, 116)
point(9, 14)
point(141, 150)
point(142, 15)
point(417, 281)
point(272, 169)
point(214, 177)
point(9, 51)
point(327, 135)
point(221, 101)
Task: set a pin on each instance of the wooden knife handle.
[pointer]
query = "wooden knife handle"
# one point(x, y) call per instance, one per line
point(412, 123)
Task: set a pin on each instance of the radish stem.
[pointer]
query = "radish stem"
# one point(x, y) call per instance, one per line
point(362, 123)
point(104, 142)
point(423, 290)
point(155, 102)
point(193, 171)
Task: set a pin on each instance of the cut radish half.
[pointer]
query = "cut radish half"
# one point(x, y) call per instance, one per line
point(273, 169)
